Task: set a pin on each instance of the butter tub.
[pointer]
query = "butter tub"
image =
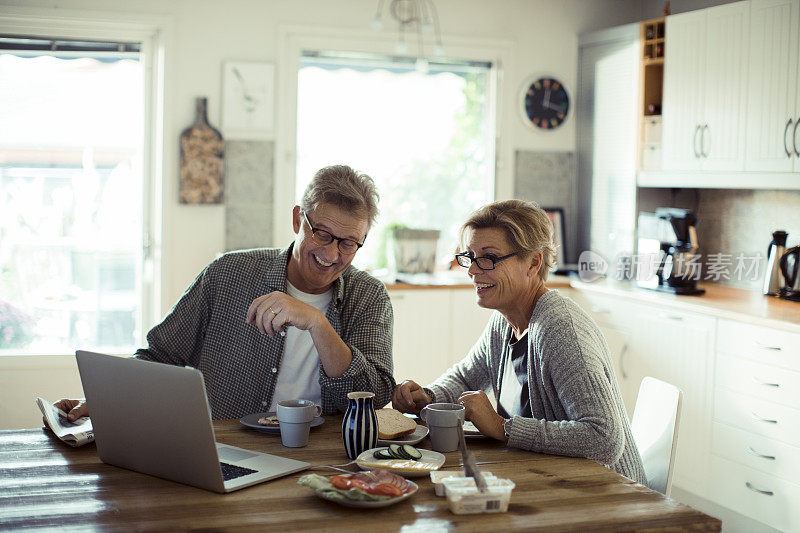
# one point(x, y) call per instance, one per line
point(463, 496)
point(439, 476)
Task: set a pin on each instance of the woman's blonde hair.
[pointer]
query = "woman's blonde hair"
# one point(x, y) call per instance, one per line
point(526, 225)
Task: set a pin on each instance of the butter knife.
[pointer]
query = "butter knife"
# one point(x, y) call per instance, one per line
point(470, 466)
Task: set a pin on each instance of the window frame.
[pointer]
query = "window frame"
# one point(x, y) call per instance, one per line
point(154, 34)
point(295, 39)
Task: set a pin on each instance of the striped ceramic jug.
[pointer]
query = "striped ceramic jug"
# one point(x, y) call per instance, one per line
point(360, 424)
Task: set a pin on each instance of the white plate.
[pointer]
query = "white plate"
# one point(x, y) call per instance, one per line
point(402, 467)
point(251, 421)
point(470, 430)
point(412, 438)
point(367, 504)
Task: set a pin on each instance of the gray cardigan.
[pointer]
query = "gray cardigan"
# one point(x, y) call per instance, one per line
point(575, 400)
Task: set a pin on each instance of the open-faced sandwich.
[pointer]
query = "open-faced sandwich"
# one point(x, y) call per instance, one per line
point(371, 486)
point(269, 421)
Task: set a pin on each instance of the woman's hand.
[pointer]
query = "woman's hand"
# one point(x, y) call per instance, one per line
point(409, 397)
point(480, 412)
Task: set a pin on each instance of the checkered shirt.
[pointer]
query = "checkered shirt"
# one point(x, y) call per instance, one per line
point(207, 330)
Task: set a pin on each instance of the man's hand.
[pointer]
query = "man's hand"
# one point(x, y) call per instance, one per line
point(74, 408)
point(273, 312)
point(480, 412)
point(409, 397)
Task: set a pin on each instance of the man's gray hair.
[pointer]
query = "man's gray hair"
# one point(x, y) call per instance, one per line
point(345, 188)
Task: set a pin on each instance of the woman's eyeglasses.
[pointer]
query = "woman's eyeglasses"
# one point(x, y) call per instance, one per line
point(487, 262)
point(324, 238)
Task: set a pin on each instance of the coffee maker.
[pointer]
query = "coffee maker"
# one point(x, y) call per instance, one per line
point(676, 272)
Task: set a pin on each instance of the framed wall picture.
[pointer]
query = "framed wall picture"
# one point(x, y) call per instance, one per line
point(556, 215)
point(248, 94)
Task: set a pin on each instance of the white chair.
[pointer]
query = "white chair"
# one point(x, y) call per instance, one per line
point(655, 430)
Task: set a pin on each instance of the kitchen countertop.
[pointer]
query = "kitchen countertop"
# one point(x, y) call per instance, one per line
point(553, 282)
point(748, 306)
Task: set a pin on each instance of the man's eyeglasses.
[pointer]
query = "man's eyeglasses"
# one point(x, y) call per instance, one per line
point(487, 262)
point(324, 238)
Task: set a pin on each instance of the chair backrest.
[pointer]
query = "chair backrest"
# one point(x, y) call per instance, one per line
point(655, 430)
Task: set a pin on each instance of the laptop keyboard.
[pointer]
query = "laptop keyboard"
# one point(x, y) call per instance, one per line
point(230, 471)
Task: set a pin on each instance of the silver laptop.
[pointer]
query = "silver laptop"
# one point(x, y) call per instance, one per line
point(154, 418)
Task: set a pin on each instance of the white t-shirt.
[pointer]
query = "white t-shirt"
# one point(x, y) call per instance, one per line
point(299, 375)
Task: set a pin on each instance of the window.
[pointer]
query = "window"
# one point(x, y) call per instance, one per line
point(71, 195)
point(425, 137)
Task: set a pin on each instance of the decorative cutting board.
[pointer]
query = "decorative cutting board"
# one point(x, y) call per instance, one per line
point(202, 160)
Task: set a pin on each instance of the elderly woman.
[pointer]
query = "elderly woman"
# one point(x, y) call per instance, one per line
point(545, 359)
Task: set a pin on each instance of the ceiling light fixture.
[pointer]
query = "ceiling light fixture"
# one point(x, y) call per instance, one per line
point(415, 18)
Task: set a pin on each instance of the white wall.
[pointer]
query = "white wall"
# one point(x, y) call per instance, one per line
point(204, 33)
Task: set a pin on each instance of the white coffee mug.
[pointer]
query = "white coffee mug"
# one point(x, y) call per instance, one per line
point(443, 420)
point(295, 418)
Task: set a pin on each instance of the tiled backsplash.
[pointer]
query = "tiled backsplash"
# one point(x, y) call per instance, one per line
point(548, 178)
point(248, 194)
point(742, 221)
point(733, 221)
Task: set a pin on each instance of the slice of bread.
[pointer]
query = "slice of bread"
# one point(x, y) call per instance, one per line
point(393, 424)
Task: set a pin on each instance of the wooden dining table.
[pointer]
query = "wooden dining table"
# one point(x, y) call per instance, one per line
point(45, 483)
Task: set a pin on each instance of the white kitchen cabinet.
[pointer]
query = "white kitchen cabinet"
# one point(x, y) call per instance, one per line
point(615, 318)
point(773, 89)
point(433, 329)
point(756, 430)
point(756, 494)
point(619, 343)
point(421, 342)
point(469, 321)
point(705, 72)
point(678, 347)
point(722, 137)
point(684, 72)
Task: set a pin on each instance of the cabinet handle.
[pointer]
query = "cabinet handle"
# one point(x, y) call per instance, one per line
point(754, 489)
point(794, 137)
point(785, 146)
point(751, 451)
point(599, 310)
point(672, 317)
point(694, 142)
point(398, 297)
point(762, 419)
point(703, 141)
point(765, 383)
point(622, 361)
point(767, 346)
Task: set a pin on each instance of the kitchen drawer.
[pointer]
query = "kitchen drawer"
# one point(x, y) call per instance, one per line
point(652, 130)
point(771, 346)
point(765, 382)
point(651, 156)
point(736, 487)
point(768, 419)
point(763, 454)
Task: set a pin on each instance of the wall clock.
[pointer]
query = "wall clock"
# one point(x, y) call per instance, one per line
point(545, 102)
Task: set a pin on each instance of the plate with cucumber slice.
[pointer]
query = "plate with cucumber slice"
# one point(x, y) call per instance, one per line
point(412, 438)
point(402, 459)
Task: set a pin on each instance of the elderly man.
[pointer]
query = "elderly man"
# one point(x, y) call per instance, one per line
point(266, 325)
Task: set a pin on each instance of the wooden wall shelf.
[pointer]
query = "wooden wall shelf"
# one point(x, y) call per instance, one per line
point(652, 36)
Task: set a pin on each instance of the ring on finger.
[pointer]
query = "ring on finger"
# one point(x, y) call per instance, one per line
point(274, 312)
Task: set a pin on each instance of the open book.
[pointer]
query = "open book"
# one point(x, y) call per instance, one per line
point(75, 433)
